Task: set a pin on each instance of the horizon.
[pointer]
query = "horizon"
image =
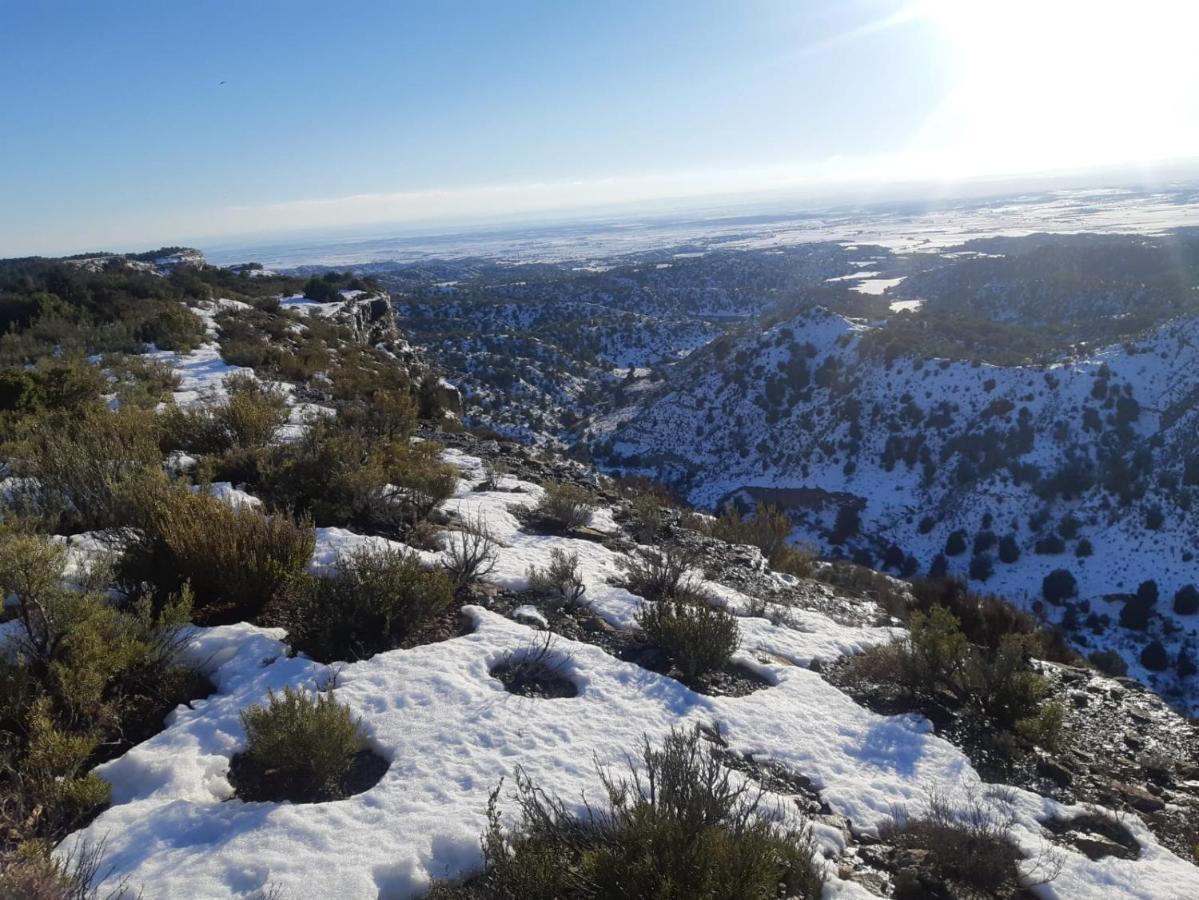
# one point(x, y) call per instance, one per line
point(155, 126)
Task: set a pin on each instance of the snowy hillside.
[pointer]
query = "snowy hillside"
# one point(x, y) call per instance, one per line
point(1075, 466)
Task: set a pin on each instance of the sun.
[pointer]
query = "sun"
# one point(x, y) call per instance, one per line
point(1052, 84)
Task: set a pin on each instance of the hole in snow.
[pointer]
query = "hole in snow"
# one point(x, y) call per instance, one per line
point(537, 670)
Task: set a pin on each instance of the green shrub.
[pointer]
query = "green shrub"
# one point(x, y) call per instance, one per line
point(374, 602)
point(89, 679)
point(565, 506)
point(697, 637)
point(645, 515)
point(307, 744)
point(238, 562)
point(344, 478)
point(560, 578)
point(88, 464)
point(936, 658)
point(986, 619)
point(661, 574)
point(679, 829)
point(767, 529)
point(173, 327)
point(248, 417)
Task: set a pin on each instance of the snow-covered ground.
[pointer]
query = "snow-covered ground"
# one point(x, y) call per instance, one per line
point(451, 732)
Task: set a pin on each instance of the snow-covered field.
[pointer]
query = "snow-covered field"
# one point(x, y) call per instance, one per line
point(451, 732)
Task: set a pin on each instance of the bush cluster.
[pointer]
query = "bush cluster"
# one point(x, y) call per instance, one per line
point(936, 659)
point(679, 827)
point(768, 529)
point(239, 562)
point(87, 677)
point(347, 477)
point(248, 418)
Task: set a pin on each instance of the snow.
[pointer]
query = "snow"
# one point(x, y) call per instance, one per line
point(451, 733)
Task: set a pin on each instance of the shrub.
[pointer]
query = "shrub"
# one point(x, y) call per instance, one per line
point(936, 658)
point(249, 417)
point(981, 566)
point(344, 478)
point(306, 744)
point(955, 544)
point(321, 291)
point(1154, 657)
point(89, 678)
point(1109, 662)
point(680, 828)
point(88, 465)
point(694, 635)
point(173, 327)
point(1059, 585)
point(767, 528)
point(1136, 612)
point(238, 562)
point(660, 574)
point(1009, 550)
point(1083, 548)
point(565, 506)
point(470, 552)
point(33, 872)
point(1050, 545)
point(645, 518)
point(375, 601)
point(1186, 600)
point(986, 618)
point(560, 578)
point(972, 850)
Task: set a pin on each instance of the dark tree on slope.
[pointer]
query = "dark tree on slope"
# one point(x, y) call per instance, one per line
point(1009, 550)
point(955, 545)
point(1059, 585)
point(1154, 657)
point(1186, 600)
point(1137, 611)
point(939, 567)
point(847, 524)
point(981, 566)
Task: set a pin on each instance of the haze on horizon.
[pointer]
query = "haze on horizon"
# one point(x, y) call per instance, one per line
point(146, 124)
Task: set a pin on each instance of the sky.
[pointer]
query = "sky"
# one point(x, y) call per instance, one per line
point(137, 124)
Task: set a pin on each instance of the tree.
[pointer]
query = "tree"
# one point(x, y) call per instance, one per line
point(1154, 657)
point(847, 524)
point(1059, 585)
point(981, 566)
point(1186, 600)
point(1009, 550)
point(955, 544)
point(321, 291)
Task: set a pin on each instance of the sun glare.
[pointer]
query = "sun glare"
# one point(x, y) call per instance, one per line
point(1047, 84)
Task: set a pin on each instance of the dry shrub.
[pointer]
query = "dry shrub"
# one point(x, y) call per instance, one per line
point(238, 562)
point(470, 552)
point(560, 578)
point(971, 848)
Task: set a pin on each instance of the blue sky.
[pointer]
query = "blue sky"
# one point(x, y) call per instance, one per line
point(118, 132)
